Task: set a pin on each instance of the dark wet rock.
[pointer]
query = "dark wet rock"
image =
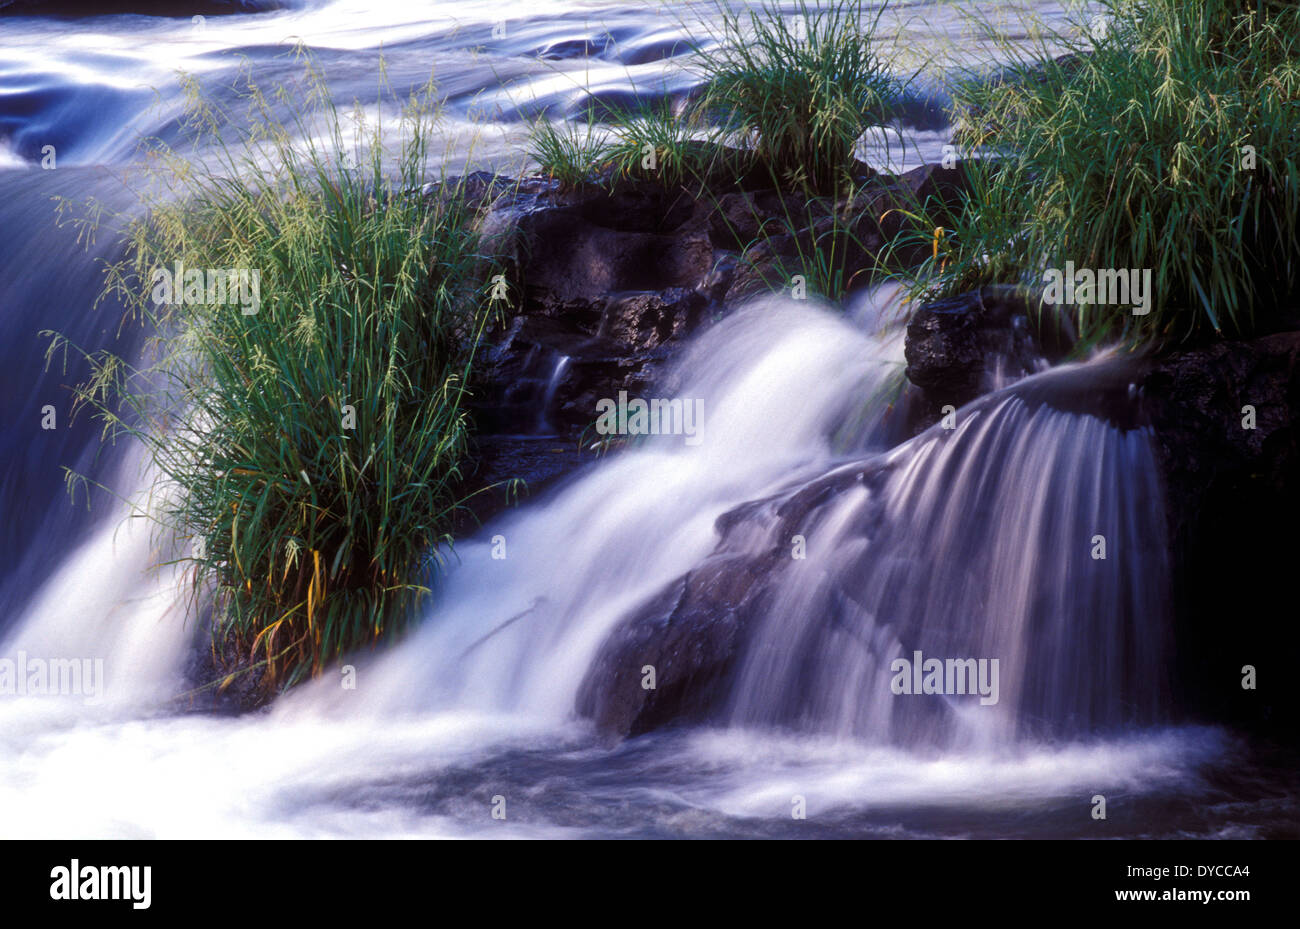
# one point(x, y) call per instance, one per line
point(689, 635)
point(934, 185)
point(607, 277)
point(1233, 505)
point(1203, 396)
point(600, 279)
point(741, 217)
point(693, 632)
point(569, 256)
point(961, 347)
point(645, 320)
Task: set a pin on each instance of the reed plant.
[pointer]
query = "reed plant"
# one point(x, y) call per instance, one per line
point(1164, 138)
point(800, 88)
point(313, 451)
point(572, 152)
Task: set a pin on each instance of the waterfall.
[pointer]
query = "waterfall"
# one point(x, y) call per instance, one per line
point(785, 388)
point(50, 280)
point(115, 600)
point(1027, 531)
point(976, 539)
point(548, 395)
point(1025, 534)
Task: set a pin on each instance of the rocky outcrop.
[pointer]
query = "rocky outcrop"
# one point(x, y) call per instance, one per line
point(609, 276)
point(688, 637)
point(961, 347)
point(1227, 422)
point(599, 280)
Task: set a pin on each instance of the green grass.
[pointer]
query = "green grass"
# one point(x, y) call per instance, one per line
point(654, 140)
point(662, 141)
point(796, 89)
point(569, 151)
point(800, 89)
point(1132, 156)
point(314, 450)
point(794, 92)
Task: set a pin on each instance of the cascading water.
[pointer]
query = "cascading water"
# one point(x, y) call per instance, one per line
point(46, 272)
point(966, 543)
point(975, 541)
point(906, 558)
point(1025, 534)
point(548, 395)
point(518, 632)
point(493, 672)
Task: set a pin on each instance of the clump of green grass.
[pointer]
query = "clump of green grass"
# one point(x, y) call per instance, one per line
point(662, 141)
point(1166, 141)
point(570, 151)
point(315, 446)
point(802, 88)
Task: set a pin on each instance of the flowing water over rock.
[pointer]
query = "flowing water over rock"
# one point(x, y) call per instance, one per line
point(984, 541)
point(976, 541)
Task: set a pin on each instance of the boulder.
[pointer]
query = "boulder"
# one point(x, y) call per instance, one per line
point(689, 635)
point(1227, 423)
point(961, 347)
point(611, 275)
